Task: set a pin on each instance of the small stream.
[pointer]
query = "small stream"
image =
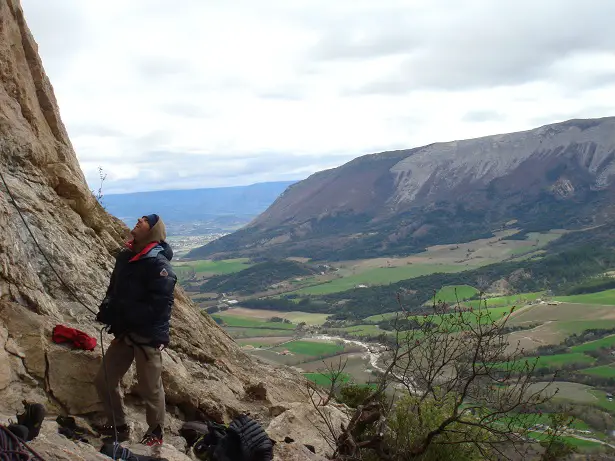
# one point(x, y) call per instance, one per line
point(374, 351)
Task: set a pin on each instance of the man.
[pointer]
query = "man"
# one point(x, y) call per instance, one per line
point(137, 309)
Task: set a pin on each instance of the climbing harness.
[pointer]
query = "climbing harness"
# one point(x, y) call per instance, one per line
point(117, 448)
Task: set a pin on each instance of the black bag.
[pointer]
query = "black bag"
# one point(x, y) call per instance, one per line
point(243, 440)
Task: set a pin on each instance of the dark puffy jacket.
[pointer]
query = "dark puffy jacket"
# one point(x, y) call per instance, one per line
point(140, 295)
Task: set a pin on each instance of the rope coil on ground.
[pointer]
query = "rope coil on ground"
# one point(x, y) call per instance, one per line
point(16, 449)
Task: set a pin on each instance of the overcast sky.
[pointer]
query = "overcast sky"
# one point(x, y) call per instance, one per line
point(206, 93)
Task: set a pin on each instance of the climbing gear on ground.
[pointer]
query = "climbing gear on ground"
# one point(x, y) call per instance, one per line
point(19, 430)
point(32, 418)
point(191, 431)
point(116, 451)
point(243, 440)
point(80, 339)
point(69, 429)
point(153, 438)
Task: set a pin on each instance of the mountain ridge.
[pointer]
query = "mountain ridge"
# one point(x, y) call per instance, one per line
point(398, 202)
point(189, 205)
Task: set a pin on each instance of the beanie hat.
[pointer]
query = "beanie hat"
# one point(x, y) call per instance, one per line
point(152, 219)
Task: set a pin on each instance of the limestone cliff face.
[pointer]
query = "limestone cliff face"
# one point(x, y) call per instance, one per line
point(204, 369)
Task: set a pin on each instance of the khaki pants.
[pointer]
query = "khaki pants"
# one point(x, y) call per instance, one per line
point(118, 359)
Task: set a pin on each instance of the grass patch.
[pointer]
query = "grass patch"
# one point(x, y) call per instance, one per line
point(313, 348)
point(264, 315)
point(324, 379)
point(262, 342)
point(236, 332)
point(579, 443)
point(604, 371)
point(603, 401)
point(379, 276)
point(559, 360)
point(501, 301)
point(452, 293)
point(602, 297)
point(579, 326)
point(553, 361)
point(607, 342)
point(224, 266)
point(363, 330)
point(235, 321)
point(495, 313)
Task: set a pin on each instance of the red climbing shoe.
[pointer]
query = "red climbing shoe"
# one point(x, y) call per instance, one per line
point(153, 438)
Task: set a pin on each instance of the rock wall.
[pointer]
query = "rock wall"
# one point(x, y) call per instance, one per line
point(204, 370)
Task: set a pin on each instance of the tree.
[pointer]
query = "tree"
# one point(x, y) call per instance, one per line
point(555, 445)
point(457, 390)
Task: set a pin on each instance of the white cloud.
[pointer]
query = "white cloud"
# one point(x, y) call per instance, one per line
point(198, 94)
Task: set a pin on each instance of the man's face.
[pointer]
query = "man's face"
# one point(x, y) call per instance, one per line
point(141, 229)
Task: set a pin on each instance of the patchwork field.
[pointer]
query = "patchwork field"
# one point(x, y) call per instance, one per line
point(265, 342)
point(263, 314)
point(301, 351)
point(440, 258)
point(379, 276)
point(209, 267)
point(324, 379)
point(607, 342)
point(454, 293)
point(245, 322)
point(603, 298)
point(357, 366)
point(604, 371)
point(568, 391)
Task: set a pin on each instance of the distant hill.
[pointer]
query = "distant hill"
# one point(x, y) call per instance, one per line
point(395, 203)
point(231, 205)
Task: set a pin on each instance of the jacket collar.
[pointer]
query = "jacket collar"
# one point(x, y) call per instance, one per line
point(148, 252)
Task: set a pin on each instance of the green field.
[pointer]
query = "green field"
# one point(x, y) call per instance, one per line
point(579, 443)
point(603, 401)
point(579, 326)
point(602, 297)
point(379, 276)
point(235, 321)
point(260, 342)
point(511, 300)
point(604, 371)
point(237, 332)
point(324, 379)
point(495, 313)
point(224, 266)
point(559, 360)
point(363, 330)
point(554, 361)
point(607, 342)
point(451, 294)
point(312, 348)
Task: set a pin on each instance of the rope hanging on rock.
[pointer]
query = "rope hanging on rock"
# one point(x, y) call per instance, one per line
point(68, 288)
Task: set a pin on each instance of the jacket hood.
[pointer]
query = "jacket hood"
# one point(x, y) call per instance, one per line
point(167, 251)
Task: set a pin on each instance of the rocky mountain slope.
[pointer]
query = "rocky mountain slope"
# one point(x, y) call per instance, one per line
point(204, 370)
point(560, 175)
